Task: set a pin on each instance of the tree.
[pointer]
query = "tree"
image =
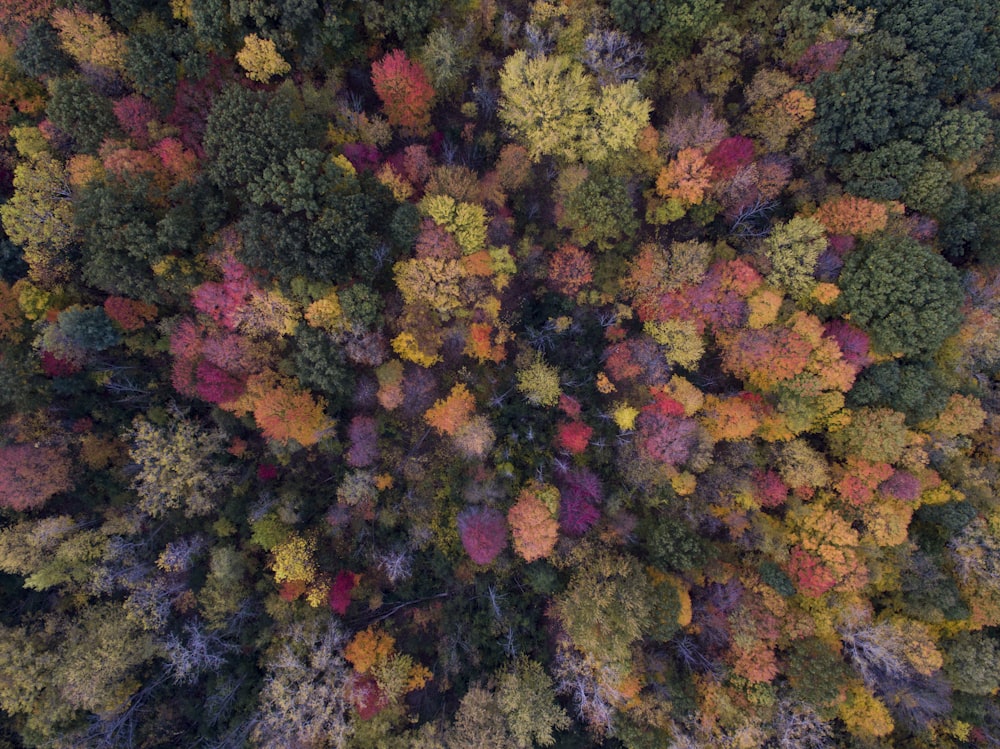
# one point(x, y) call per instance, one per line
point(39, 216)
point(569, 269)
point(304, 700)
point(449, 415)
point(405, 91)
point(539, 383)
point(598, 211)
point(902, 293)
point(266, 135)
point(260, 59)
point(483, 533)
point(88, 38)
point(686, 178)
point(532, 522)
point(178, 466)
point(363, 435)
point(30, 475)
point(606, 606)
point(76, 109)
point(793, 249)
point(546, 101)
point(972, 663)
point(526, 697)
point(848, 214)
point(284, 411)
point(878, 93)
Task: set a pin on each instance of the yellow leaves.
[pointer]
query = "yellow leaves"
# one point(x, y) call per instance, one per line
point(372, 651)
point(864, 715)
point(88, 38)
point(408, 348)
point(681, 342)
point(327, 314)
point(625, 416)
point(293, 561)
point(466, 221)
point(962, 415)
point(686, 178)
point(798, 105)
point(539, 383)
point(685, 393)
point(684, 483)
point(435, 282)
point(260, 59)
point(401, 189)
point(764, 305)
point(603, 384)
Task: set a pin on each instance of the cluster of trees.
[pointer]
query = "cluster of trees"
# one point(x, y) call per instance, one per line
point(434, 375)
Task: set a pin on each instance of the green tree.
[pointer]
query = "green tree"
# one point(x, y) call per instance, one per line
point(903, 293)
point(607, 605)
point(972, 663)
point(793, 249)
point(83, 114)
point(599, 212)
point(248, 131)
point(527, 699)
point(878, 94)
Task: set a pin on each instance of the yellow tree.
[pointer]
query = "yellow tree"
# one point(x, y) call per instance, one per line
point(260, 59)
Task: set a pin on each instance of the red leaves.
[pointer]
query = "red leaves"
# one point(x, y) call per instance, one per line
point(483, 532)
point(810, 575)
point(130, 314)
point(405, 91)
point(731, 155)
point(30, 476)
point(667, 439)
point(574, 436)
point(768, 488)
point(577, 515)
point(340, 591)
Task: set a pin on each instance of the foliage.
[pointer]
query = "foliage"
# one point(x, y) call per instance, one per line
point(404, 89)
point(901, 292)
point(32, 475)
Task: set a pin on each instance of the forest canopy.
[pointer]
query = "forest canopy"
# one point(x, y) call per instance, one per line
point(441, 375)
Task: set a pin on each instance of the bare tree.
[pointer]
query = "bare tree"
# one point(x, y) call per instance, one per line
point(613, 57)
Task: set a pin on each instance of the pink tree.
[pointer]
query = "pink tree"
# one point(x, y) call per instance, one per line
point(483, 532)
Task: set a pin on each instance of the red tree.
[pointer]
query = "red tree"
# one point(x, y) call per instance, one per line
point(731, 155)
point(574, 436)
point(134, 113)
point(577, 515)
point(483, 532)
point(130, 314)
point(405, 91)
point(667, 439)
point(340, 591)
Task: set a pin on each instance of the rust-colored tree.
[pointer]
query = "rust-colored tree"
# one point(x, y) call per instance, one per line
point(569, 270)
point(532, 524)
point(30, 476)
